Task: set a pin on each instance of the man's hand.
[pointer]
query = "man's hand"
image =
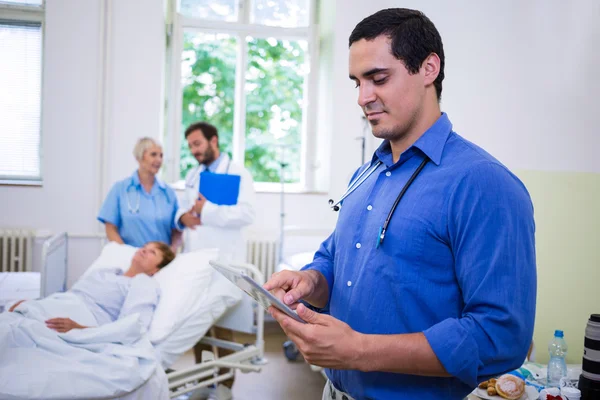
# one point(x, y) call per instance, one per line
point(63, 325)
point(199, 205)
point(323, 341)
point(11, 309)
point(293, 286)
point(190, 220)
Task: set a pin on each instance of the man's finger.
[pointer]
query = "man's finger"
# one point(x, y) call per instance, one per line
point(309, 315)
point(278, 280)
point(294, 295)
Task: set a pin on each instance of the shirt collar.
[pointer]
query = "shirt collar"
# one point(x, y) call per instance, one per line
point(431, 143)
point(215, 164)
point(135, 181)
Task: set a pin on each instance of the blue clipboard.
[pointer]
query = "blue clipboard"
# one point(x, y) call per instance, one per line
point(220, 189)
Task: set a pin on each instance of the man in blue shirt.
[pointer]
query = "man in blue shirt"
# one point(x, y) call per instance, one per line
point(424, 300)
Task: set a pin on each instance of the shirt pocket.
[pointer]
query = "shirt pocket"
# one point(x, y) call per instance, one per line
point(403, 251)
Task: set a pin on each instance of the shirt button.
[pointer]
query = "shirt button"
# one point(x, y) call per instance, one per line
point(369, 207)
point(349, 283)
point(388, 173)
point(358, 245)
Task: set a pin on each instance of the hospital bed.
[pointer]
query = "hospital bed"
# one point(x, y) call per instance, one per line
point(218, 303)
point(51, 277)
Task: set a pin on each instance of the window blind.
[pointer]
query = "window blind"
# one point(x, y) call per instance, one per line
point(20, 100)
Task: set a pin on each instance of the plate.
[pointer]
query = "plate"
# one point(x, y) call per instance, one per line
point(530, 394)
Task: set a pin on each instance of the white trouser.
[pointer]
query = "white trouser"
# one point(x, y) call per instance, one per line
point(331, 393)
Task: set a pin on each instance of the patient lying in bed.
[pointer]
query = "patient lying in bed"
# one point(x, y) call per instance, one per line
point(110, 294)
point(112, 359)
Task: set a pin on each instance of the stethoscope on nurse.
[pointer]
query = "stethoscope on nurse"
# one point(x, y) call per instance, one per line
point(361, 178)
point(150, 163)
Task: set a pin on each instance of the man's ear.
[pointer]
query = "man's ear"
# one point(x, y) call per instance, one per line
point(214, 141)
point(430, 68)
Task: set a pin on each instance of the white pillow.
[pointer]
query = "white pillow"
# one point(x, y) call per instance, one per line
point(113, 255)
point(183, 284)
point(221, 296)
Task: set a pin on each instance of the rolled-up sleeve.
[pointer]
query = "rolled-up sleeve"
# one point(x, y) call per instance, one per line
point(110, 211)
point(491, 232)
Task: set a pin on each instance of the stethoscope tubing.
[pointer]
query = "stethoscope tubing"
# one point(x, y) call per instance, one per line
point(363, 176)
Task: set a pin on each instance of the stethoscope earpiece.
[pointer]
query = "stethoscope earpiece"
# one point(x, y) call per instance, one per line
point(330, 201)
point(336, 208)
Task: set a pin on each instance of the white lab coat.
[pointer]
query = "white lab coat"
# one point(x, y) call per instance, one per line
point(222, 226)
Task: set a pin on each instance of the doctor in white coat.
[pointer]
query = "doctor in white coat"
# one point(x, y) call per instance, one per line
point(215, 226)
point(212, 225)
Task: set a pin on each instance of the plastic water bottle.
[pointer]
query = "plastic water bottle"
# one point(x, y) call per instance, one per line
point(557, 366)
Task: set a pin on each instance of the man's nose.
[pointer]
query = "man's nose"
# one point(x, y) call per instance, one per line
point(366, 95)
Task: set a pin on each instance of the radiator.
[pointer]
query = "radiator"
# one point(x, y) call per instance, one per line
point(16, 250)
point(263, 254)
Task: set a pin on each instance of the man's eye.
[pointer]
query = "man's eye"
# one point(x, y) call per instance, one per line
point(379, 81)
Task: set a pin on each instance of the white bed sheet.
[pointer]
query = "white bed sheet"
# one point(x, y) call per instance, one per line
point(221, 296)
point(18, 286)
point(156, 387)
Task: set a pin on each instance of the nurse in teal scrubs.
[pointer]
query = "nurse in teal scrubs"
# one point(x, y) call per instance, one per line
point(141, 208)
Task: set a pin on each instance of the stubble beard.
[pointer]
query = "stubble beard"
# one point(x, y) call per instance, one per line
point(208, 157)
point(397, 133)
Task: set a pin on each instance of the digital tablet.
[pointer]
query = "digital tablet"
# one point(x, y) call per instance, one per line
point(253, 289)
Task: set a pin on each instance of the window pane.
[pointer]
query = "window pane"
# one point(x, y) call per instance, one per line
point(285, 13)
point(208, 81)
point(220, 10)
point(275, 78)
point(20, 79)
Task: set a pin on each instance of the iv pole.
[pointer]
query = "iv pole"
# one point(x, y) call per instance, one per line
point(282, 165)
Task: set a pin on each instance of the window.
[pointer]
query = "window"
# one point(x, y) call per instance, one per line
point(20, 97)
point(244, 66)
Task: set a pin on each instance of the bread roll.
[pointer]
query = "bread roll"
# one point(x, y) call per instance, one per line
point(510, 387)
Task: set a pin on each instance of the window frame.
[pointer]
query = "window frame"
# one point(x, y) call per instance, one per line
point(178, 25)
point(24, 15)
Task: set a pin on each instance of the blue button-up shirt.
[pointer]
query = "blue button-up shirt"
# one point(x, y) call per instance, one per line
point(141, 217)
point(457, 263)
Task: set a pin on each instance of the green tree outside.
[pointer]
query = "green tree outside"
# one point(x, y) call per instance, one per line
point(274, 90)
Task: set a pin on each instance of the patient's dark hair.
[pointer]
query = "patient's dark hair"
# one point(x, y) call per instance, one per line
point(167, 254)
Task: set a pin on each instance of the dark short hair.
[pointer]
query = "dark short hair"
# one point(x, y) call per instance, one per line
point(167, 254)
point(414, 38)
point(209, 131)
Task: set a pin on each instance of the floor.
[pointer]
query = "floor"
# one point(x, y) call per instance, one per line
point(279, 378)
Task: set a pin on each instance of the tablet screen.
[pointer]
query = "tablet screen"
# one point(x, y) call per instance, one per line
point(253, 289)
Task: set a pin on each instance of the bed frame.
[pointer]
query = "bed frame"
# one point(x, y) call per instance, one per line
point(247, 316)
point(53, 273)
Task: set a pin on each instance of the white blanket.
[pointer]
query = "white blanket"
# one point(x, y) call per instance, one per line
point(94, 363)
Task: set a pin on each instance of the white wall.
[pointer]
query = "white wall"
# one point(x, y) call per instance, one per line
point(520, 76)
point(521, 82)
point(72, 163)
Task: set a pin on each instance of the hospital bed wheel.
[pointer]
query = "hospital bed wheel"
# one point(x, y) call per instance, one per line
point(290, 350)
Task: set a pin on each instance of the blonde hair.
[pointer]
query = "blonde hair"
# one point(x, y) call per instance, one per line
point(142, 145)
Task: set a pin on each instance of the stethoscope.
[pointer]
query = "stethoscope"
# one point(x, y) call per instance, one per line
point(137, 203)
point(363, 177)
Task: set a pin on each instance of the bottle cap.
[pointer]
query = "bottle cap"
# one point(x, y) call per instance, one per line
point(558, 333)
point(595, 317)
